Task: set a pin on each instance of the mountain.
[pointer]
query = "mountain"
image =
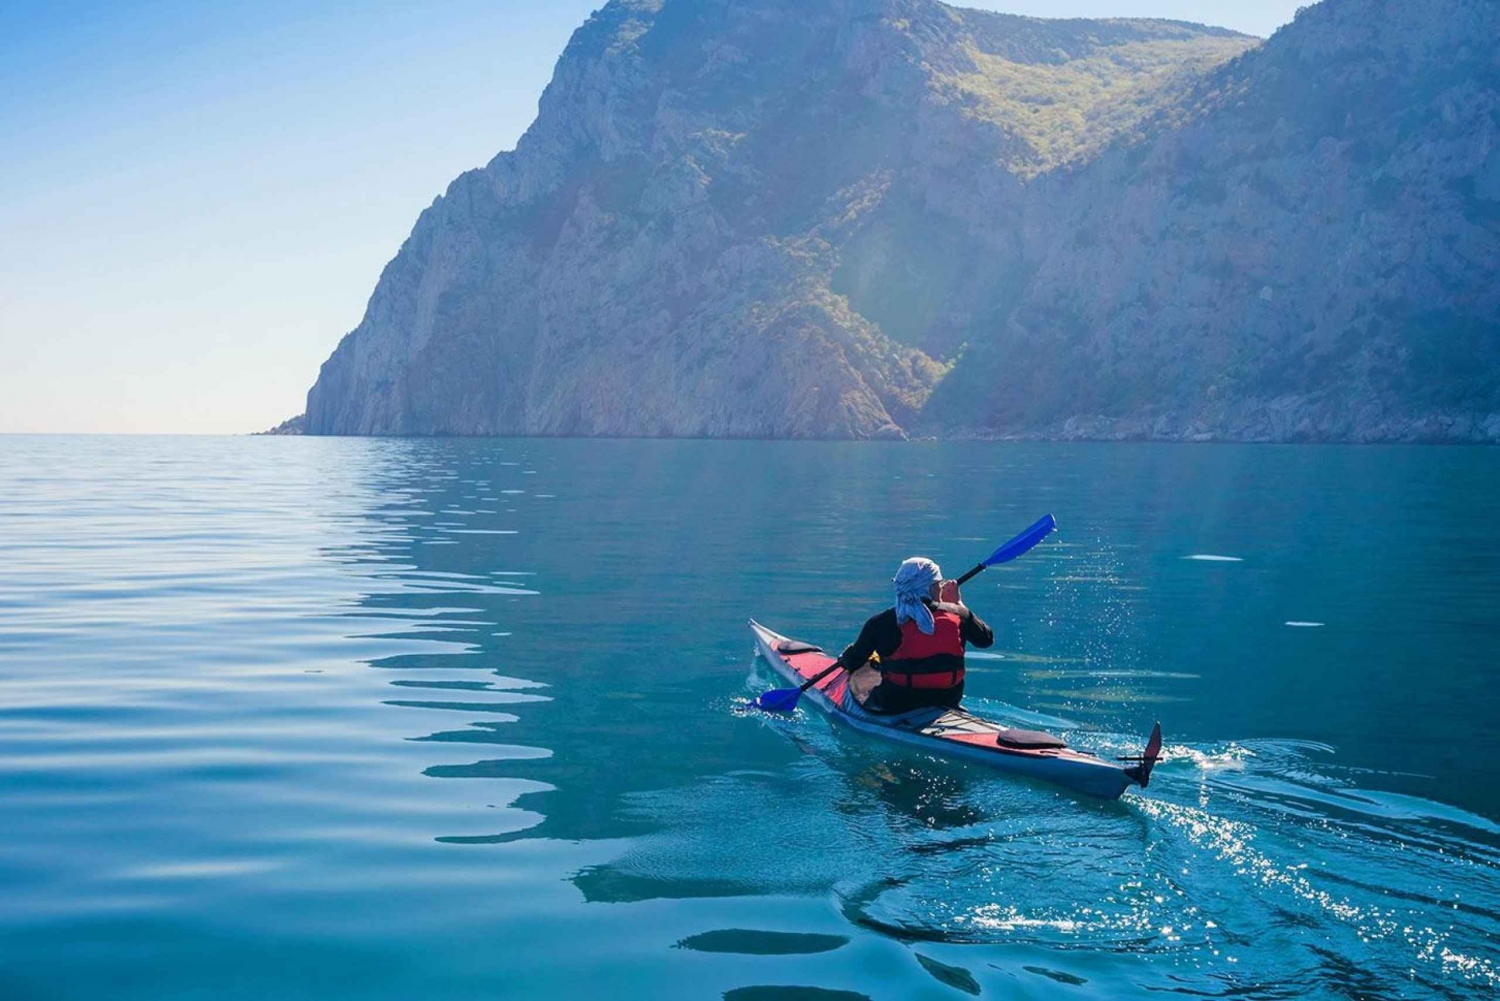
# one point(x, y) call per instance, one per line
point(1305, 248)
point(863, 218)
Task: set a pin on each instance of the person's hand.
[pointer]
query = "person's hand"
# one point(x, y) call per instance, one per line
point(949, 592)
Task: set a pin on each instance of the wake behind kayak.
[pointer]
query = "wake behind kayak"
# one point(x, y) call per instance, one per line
point(955, 733)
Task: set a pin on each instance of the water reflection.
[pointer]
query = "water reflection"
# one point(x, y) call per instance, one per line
point(361, 711)
point(440, 541)
point(607, 626)
point(608, 629)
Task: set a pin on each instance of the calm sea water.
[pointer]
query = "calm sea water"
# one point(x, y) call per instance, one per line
point(300, 718)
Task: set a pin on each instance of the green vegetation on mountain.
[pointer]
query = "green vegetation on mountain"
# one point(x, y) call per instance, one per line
point(1068, 110)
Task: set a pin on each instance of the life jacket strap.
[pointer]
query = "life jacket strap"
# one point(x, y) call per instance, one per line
point(926, 679)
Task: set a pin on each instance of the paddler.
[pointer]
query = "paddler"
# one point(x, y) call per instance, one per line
point(920, 641)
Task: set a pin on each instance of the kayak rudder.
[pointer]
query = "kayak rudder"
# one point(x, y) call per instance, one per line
point(1146, 760)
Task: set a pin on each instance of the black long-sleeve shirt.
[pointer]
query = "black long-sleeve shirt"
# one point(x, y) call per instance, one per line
point(882, 635)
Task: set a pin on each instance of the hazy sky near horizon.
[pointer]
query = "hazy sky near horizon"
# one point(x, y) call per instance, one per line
point(197, 199)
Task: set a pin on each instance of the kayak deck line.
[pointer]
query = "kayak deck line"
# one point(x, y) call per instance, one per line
point(955, 733)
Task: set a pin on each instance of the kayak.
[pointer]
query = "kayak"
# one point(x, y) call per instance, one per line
point(956, 733)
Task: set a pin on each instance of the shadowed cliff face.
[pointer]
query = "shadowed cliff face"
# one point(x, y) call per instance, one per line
point(1304, 249)
point(778, 218)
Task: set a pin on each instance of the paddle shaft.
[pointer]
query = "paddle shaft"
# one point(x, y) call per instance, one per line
point(968, 576)
point(819, 676)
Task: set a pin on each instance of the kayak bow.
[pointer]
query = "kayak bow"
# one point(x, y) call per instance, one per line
point(956, 733)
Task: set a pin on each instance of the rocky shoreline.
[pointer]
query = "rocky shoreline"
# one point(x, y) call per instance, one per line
point(1429, 429)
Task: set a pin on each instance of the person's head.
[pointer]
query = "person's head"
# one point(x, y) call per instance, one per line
point(918, 576)
point(915, 579)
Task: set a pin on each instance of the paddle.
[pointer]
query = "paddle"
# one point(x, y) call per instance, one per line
point(784, 700)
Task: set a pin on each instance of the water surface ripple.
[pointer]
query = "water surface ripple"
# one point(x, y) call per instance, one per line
point(304, 718)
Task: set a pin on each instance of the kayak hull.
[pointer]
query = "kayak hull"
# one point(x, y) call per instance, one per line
point(951, 733)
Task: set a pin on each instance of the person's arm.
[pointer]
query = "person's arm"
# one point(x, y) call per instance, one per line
point(971, 628)
point(872, 639)
point(974, 631)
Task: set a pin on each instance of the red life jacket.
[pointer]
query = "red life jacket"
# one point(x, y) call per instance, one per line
point(923, 661)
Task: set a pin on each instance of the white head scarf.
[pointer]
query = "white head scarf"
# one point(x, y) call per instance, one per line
point(914, 582)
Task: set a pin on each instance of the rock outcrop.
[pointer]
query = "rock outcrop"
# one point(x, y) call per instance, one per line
point(855, 218)
point(291, 426)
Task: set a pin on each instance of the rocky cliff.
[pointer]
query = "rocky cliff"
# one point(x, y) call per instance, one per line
point(856, 218)
point(1305, 248)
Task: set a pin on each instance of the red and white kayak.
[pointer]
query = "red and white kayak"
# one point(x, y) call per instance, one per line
point(955, 733)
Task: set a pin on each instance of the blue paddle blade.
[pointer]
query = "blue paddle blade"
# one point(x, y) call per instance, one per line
point(778, 700)
point(1022, 543)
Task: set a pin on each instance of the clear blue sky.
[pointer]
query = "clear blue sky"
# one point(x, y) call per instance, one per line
point(197, 198)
